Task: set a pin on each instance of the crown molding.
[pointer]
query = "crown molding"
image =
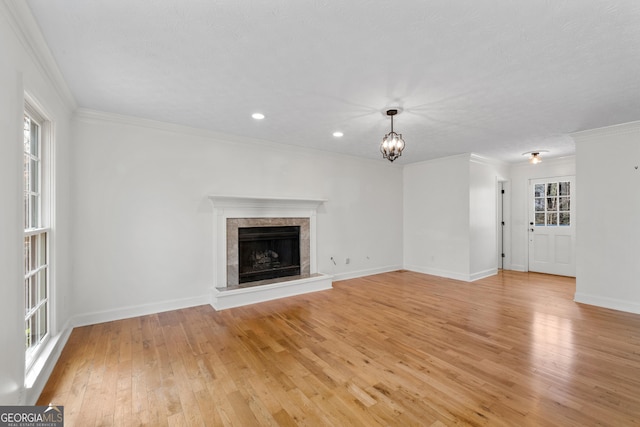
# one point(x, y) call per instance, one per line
point(476, 158)
point(470, 157)
point(28, 32)
point(607, 131)
point(464, 156)
point(95, 116)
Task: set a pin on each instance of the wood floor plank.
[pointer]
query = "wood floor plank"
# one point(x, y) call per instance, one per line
point(397, 348)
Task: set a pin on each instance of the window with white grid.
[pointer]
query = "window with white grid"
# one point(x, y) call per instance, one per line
point(36, 234)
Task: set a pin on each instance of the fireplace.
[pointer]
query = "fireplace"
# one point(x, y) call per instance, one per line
point(259, 257)
point(240, 218)
point(268, 253)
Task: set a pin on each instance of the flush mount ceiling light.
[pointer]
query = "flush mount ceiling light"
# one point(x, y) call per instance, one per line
point(392, 143)
point(258, 116)
point(338, 134)
point(534, 156)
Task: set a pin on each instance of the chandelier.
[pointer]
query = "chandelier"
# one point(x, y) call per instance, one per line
point(392, 143)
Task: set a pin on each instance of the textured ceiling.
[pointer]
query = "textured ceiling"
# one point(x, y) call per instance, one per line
point(494, 77)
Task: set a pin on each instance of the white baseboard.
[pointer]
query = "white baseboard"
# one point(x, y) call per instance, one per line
point(464, 277)
point(482, 274)
point(517, 267)
point(223, 299)
point(39, 374)
point(437, 272)
point(606, 302)
point(364, 273)
point(138, 310)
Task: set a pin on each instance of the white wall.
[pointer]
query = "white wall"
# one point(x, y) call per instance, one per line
point(436, 217)
point(608, 232)
point(484, 176)
point(20, 72)
point(520, 175)
point(450, 221)
point(144, 240)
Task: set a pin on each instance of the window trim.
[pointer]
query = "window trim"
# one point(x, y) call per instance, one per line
point(45, 214)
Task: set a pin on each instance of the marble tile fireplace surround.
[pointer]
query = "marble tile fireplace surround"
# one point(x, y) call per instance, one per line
point(234, 212)
point(233, 243)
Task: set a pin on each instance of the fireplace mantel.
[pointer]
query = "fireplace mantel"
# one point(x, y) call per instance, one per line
point(265, 202)
point(227, 207)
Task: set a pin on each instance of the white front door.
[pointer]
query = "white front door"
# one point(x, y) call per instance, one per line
point(552, 235)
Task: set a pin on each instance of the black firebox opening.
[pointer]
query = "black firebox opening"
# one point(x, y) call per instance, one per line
point(268, 252)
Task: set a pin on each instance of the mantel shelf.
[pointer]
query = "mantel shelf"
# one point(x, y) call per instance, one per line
point(222, 201)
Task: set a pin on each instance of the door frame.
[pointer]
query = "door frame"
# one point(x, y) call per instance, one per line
point(529, 210)
point(503, 232)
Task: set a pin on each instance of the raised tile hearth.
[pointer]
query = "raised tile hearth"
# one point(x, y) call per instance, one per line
point(234, 212)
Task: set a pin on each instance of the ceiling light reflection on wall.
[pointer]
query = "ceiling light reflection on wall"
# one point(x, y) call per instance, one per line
point(392, 143)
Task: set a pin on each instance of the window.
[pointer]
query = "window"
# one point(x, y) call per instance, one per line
point(36, 234)
point(553, 204)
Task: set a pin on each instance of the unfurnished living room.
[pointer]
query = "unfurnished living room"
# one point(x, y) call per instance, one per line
point(320, 213)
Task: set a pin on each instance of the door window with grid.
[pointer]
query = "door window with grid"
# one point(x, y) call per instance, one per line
point(36, 236)
point(552, 204)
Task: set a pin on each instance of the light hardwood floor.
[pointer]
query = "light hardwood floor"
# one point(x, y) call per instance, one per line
point(395, 349)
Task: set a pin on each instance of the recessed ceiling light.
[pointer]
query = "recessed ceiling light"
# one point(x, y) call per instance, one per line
point(338, 134)
point(258, 116)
